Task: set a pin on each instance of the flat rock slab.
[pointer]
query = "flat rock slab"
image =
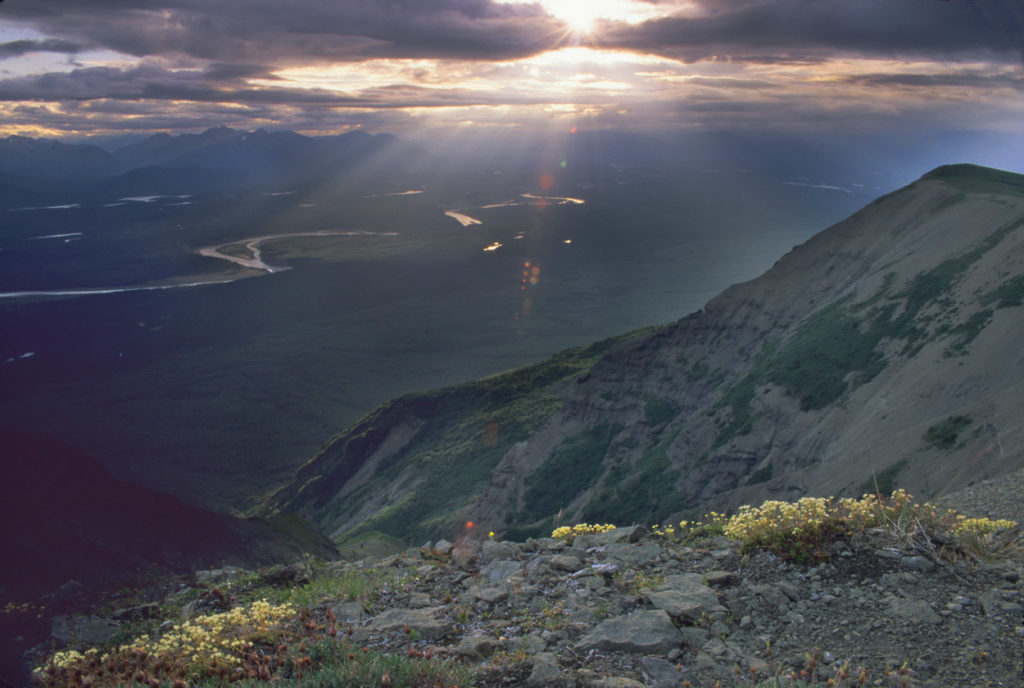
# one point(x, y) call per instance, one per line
point(499, 571)
point(566, 562)
point(617, 682)
point(635, 555)
point(545, 671)
point(420, 620)
point(645, 631)
point(685, 597)
point(660, 673)
point(914, 611)
point(478, 646)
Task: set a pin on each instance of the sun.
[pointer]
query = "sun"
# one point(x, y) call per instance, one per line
point(580, 15)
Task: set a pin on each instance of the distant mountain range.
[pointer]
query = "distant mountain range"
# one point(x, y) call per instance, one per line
point(882, 352)
point(215, 159)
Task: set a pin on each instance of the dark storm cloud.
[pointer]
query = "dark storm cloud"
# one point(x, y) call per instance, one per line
point(53, 45)
point(299, 32)
point(807, 28)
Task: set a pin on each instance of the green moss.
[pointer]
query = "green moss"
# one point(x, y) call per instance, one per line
point(944, 435)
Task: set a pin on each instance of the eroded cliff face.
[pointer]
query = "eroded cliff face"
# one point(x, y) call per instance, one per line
point(885, 349)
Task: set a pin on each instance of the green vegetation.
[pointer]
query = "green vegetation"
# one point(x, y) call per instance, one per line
point(573, 467)
point(698, 372)
point(945, 434)
point(813, 365)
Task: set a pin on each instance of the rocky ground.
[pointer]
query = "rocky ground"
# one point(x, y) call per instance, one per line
point(627, 608)
point(624, 609)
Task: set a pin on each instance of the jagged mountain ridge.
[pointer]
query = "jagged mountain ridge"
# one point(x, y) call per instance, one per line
point(881, 349)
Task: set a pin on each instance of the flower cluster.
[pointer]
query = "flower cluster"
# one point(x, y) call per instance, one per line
point(213, 640)
point(802, 530)
point(209, 645)
point(796, 530)
point(566, 532)
point(975, 534)
point(980, 527)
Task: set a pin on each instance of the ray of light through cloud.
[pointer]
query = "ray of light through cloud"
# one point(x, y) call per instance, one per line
point(416, 69)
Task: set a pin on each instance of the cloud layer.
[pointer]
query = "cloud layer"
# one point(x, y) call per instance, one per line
point(108, 65)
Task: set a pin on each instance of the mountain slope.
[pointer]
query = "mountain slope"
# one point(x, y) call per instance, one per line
point(885, 348)
point(65, 517)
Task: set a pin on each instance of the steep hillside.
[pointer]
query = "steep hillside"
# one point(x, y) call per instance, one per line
point(885, 349)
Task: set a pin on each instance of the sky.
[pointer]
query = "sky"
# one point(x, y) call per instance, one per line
point(424, 68)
